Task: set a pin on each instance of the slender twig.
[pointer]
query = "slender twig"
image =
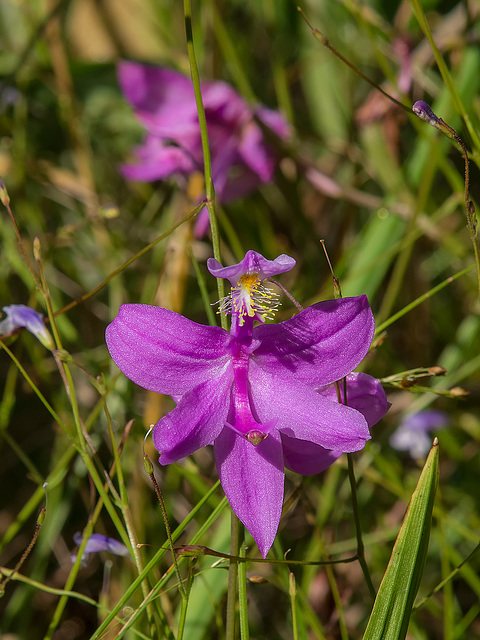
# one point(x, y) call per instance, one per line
point(5, 199)
point(318, 35)
point(337, 290)
point(149, 469)
point(127, 263)
point(351, 472)
point(425, 112)
point(196, 550)
point(26, 553)
point(451, 575)
point(66, 374)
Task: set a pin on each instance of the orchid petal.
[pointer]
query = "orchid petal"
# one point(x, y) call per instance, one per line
point(252, 477)
point(364, 393)
point(201, 224)
point(196, 421)
point(304, 414)
point(163, 99)
point(274, 121)
point(157, 161)
point(224, 159)
point(320, 345)
point(255, 154)
point(253, 262)
point(241, 182)
point(306, 458)
point(164, 352)
point(223, 104)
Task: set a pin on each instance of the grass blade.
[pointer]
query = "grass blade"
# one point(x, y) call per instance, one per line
point(393, 605)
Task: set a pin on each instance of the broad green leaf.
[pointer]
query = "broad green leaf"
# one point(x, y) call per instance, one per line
point(393, 604)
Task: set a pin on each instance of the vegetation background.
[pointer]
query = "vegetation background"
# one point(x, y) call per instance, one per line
point(384, 190)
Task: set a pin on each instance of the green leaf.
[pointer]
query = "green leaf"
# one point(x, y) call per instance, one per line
point(393, 604)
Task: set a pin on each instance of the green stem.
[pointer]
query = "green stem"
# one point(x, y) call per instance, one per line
point(149, 469)
point(210, 189)
point(126, 513)
point(232, 577)
point(70, 389)
point(443, 68)
point(358, 529)
point(355, 509)
point(292, 592)
point(153, 563)
point(338, 603)
point(242, 596)
point(183, 612)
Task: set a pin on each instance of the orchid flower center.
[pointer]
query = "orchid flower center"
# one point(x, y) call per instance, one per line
point(249, 298)
point(245, 424)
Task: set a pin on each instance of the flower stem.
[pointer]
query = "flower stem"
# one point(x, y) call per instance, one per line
point(358, 529)
point(158, 493)
point(425, 112)
point(232, 577)
point(209, 187)
point(292, 592)
point(355, 509)
point(242, 596)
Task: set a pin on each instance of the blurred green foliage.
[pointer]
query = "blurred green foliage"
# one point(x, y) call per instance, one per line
point(382, 188)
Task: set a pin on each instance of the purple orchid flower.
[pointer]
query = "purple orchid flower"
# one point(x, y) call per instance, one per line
point(412, 434)
point(99, 542)
point(258, 393)
point(20, 316)
point(164, 102)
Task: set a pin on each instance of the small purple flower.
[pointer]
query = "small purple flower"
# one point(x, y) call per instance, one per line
point(257, 393)
point(164, 102)
point(412, 434)
point(21, 316)
point(98, 542)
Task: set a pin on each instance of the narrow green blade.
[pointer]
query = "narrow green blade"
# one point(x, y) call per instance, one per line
point(393, 605)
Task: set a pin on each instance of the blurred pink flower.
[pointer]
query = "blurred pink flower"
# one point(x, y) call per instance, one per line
point(164, 103)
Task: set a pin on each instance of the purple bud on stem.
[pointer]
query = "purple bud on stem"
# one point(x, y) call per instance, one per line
point(425, 112)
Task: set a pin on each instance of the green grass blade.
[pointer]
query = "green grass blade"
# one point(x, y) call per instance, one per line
point(393, 605)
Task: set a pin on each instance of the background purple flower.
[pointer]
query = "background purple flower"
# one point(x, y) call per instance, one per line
point(413, 432)
point(164, 102)
point(21, 316)
point(99, 542)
